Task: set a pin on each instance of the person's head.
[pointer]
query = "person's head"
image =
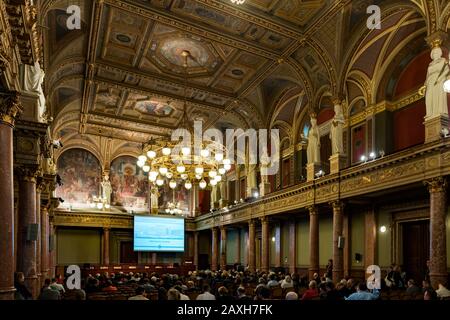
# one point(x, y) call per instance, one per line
point(288, 279)
point(315, 275)
point(330, 261)
point(47, 282)
point(264, 293)
point(291, 296)
point(350, 283)
point(109, 283)
point(206, 288)
point(425, 284)
point(222, 291)
point(312, 284)
point(173, 294)
point(428, 294)
point(20, 277)
point(140, 291)
point(53, 280)
point(411, 283)
point(361, 286)
point(241, 291)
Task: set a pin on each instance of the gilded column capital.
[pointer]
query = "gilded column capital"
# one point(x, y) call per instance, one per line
point(28, 173)
point(337, 205)
point(438, 184)
point(264, 220)
point(436, 39)
point(313, 210)
point(10, 107)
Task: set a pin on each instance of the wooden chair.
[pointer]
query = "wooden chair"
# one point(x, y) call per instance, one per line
point(277, 293)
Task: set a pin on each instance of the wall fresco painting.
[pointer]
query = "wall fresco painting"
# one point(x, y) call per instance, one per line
point(129, 184)
point(80, 174)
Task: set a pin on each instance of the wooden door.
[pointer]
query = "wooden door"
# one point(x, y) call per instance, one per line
point(416, 248)
point(127, 253)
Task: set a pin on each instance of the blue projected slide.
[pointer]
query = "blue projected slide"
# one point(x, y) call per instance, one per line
point(158, 234)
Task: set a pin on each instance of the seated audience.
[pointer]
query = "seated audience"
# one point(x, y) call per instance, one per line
point(442, 292)
point(362, 293)
point(287, 282)
point(22, 292)
point(312, 292)
point(109, 287)
point(206, 295)
point(140, 294)
point(173, 294)
point(48, 293)
point(412, 289)
point(291, 296)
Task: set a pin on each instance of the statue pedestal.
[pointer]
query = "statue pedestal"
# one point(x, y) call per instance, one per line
point(433, 127)
point(337, 163)
point(154, 211)
point(251, 192)
point(264, 188)
point(311, 170)
point(223, 203)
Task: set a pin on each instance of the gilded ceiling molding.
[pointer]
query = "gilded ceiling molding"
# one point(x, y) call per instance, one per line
point(353, 45)
point(382, 66)
point(445, 18)
point(269, 24)
point(304, 78)
point(327, 62)
point(432, 15)
point(186, 25)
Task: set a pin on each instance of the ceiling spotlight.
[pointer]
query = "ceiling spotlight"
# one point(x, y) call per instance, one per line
point(372, 155)
point(383, 229)
point(363, 158)
point(256, 194)
point(238, 1)
point(319, 174)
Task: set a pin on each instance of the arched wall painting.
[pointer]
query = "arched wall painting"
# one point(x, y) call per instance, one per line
point(129, 184)
point(80, 174)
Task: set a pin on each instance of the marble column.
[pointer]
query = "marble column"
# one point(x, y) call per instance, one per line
point(338, 229)
point(265, 244)
point(9, 110)
point(44, 243)
point(278, 248)
point(214, 248)
point(251, 246)
point(52, 250)
point(27, 243)
point(105, 255)
point(370, 236)
point(438, 250)
point(292, 258)
point(313, 241)
point(238, 247)
point(223, 248)
point(39, 189)
point(196, 249)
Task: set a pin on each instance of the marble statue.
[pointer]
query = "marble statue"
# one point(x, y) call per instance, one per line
point(33, 80)
point(435, 96)
point(337, 131)
point(154, 200)
point(106, 189)
point(313, 150)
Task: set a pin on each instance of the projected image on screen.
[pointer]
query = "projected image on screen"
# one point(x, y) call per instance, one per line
point(158, 234)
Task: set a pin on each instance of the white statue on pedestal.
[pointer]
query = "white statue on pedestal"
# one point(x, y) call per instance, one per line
point(33, 80)
point(336, 131)
point(313, 150)
point(435, 96)
point(154, 200)
point(106, 189)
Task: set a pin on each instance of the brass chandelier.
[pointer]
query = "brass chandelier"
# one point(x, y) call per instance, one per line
point(168, 162)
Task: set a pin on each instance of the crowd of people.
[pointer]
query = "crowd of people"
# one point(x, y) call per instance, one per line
point(235, 285)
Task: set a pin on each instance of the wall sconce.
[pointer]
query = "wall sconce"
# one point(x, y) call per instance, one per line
point(383, 229)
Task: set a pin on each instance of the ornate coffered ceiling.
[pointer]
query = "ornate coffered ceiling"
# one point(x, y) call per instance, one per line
point(122, 75)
